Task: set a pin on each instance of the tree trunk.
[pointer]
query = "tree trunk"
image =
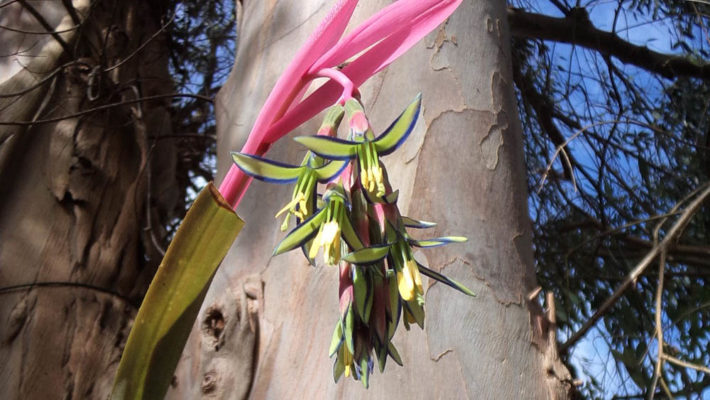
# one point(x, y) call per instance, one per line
point(75, 254)
point(266, 324)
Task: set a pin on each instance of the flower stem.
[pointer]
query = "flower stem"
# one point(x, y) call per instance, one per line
point(342, 79)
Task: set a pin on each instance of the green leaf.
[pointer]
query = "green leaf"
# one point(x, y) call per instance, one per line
point(266, 170)
point(302, 233)
point(367, 255)
point(436, 242)
point(174, 297)
point(337, 339)
point(400, 129)
point(329, 147)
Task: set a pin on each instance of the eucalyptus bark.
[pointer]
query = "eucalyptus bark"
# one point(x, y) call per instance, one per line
point(75, 254)
point(267, 322)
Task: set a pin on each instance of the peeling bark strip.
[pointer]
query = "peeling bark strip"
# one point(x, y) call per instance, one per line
point(73, 205)
point(462, 167)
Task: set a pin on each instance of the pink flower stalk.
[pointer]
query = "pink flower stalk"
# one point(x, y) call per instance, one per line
point(383, 37)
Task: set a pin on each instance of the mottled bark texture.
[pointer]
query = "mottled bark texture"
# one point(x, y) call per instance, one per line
point(76, 197)
point(462, 167)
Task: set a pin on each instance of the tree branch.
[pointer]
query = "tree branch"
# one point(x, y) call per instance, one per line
point(46, 26)
point(577, 29)
point(672, 234)
point(105, 107)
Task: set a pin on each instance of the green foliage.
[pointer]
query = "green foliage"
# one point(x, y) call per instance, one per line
point(636, 146)
point(174, 297)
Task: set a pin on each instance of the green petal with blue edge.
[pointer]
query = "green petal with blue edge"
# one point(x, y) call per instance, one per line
point(367, 255)
point(436, 242)
point(394, 353)
point(400, 129)
point(365, 367)
point(445, 280)
point(338, 368)
point(302, 233)
point(359, 291)
point(416, 310)
point(391, 198)
point(337, 339)
point(370, 297)
point(395, 304)
point(266, 170)
point(417, 224)
point(381, 357)
point(348, 328)
point(348, 233)
point(329, 147)
point(330, 170)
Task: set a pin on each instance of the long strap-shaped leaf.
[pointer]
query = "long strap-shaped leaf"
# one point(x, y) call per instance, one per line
point(174, 297)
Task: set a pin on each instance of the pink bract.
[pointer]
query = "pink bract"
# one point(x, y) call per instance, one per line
point(383, 37)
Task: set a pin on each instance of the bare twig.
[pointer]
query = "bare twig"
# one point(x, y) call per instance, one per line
point(136, 51)
point(686, 364)
point(659, 311)
point(46, 26)
point(106, 107)
point(13, 288)
point(41, 82)
point(7, 28)
point(672, 234)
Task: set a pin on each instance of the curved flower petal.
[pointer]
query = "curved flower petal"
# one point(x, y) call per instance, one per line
point(329, 147)
point(445, 280)
point(302, 233)
point(266, 170)
point(436, 242)
point(330, 170)
point(417, 224)
point(368, 255)
point(400, 129)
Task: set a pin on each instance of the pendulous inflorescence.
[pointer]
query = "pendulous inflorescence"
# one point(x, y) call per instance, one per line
point(357, 226)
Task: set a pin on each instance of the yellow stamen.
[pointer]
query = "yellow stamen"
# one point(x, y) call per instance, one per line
point(316, 244)
point(290, 204)
point(330, 241)
point(347, 360)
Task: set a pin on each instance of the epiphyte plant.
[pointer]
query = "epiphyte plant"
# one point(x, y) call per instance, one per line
point(361, 231)
point(355, 221)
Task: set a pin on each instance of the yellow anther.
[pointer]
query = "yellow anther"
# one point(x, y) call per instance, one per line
point(347, 360)
point(331, 242)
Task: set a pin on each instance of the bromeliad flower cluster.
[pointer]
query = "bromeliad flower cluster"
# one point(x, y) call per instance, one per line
point(360, 230)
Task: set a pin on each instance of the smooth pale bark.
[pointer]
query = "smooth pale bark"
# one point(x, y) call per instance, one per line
point(462, 167)
point(73, 203)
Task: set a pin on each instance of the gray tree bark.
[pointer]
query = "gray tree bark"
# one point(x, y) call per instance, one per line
point(76, 197)
point(266, 323)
